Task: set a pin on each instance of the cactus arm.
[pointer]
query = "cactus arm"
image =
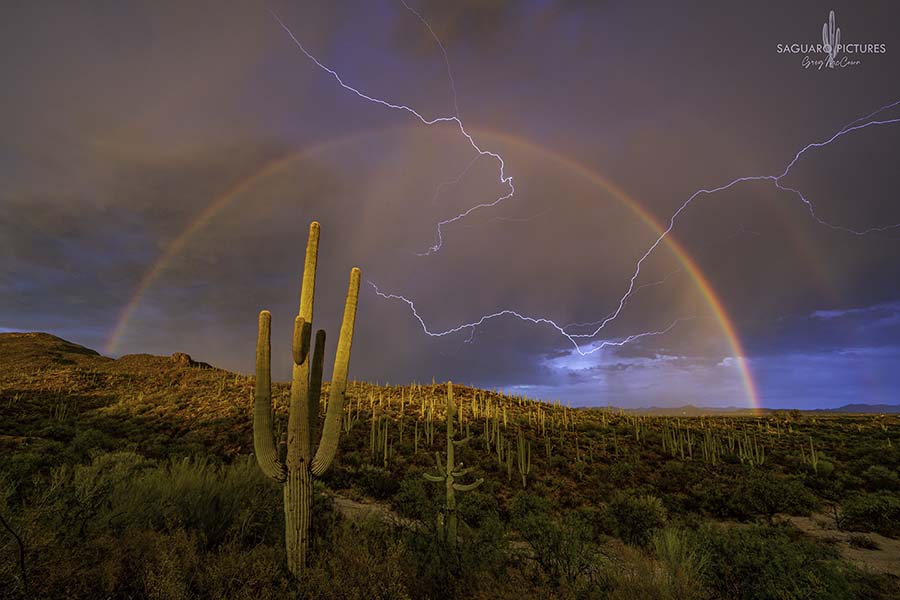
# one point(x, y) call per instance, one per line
point(263, 431)
point(332, 429)
point(299, 342)
point(308, 287)
point(467, 487)
point(831, 25)
point(315, 383)
point(433, 478)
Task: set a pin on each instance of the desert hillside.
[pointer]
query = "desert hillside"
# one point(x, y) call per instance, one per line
point(134, 478)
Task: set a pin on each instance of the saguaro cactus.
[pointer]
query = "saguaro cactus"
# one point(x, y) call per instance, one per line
point(300, 466)
point(450, 473)
point(523, 454)
point(831, 39)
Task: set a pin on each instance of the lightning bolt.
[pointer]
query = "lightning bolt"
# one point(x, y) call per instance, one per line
point(582, 350)
point(507, 180)
point(636, 290)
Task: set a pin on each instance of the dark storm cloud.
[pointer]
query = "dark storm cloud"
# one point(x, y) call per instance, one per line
point(122, 123)
point(828, 331)
point(459, 22)
point(73, 257)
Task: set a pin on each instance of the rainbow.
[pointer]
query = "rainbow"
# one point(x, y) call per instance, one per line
point(218, 204)
point(177, 245)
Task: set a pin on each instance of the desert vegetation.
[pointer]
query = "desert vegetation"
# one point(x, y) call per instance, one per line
point(136, 478)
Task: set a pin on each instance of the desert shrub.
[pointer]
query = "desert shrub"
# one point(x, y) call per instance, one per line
point(124, 526)
point(442, 571)
point(765, 493)
point(478, 506)
point(755, 493)
point(416, 499)
point(54, 430)
point(716, 498)
point(685, 559)
point(863, 542)
point(771, 563)
point(87, 440)
point(235, 574)
point(634, 517)
point(878, 512)
point(377, 483)
point(119, 491)
point(637, 576)
point(82, 494)
point(24, 467)
point(168, 572)
point(218, 502)
point(622, 473)
point(563, 546)
point(359, 561)
point(880, 478)
point(676, 476)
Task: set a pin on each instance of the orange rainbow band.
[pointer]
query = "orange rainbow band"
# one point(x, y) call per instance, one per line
point(218, 204)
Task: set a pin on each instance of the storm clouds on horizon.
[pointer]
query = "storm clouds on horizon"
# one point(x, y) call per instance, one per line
point(123, 126)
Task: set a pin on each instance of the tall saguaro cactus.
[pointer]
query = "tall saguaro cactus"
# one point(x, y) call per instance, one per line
point(301, 465)
point(450, 473)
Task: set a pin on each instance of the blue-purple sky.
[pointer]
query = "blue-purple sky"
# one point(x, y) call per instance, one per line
point(123, 122)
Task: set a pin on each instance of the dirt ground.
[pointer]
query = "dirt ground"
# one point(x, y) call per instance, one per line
point(884, 559)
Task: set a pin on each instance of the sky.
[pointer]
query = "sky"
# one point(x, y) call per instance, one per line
point(160, 163)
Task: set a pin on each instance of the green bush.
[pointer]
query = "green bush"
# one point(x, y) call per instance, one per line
point(441, 571)
point(767, 494)
point(771, 563)
point(879, 478)
point(416, 499)
point(878, 512)
point(359, 562)
point(634, 517)
point(119, 491)
point(377, 483)
point(563, 547)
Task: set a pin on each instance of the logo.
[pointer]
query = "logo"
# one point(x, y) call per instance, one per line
point(831, 40)
point(831, 53)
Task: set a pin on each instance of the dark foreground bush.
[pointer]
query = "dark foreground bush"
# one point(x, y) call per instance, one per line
point(878, 512)
point(124, 526)
point(634, 518)
point(774, 563)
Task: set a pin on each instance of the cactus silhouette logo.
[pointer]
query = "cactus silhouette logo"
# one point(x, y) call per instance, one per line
point(837, 54)
point(831, 40)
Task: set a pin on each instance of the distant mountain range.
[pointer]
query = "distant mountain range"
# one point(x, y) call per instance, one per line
point(694, 411)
